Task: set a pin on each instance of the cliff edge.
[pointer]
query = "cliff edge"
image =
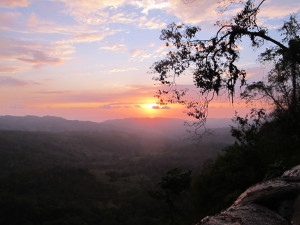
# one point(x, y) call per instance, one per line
point(274, 202)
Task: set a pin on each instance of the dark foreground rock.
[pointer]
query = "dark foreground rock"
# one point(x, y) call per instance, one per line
point(274, 202)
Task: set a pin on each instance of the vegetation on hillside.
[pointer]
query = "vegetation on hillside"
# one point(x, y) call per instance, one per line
point(98, 177)
point(88, 177)
point(267, 139)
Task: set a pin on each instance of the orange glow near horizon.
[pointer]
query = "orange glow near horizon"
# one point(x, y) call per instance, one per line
point(100, 111)
point(94, 62)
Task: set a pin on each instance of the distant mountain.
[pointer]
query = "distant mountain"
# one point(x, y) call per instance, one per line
point(150, 127)
point(47, 123)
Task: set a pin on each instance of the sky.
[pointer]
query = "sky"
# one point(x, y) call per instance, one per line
point(91, 59)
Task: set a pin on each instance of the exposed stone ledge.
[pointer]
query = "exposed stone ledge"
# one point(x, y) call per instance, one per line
point(274, 202)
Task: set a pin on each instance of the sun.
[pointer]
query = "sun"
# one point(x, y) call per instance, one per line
point(151, 110)
point(150, 107)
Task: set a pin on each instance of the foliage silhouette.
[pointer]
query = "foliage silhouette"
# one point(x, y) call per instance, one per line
point(267, 140)
point(172, 186)
point(214, 62)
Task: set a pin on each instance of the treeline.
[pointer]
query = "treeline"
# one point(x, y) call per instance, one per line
point(260, 153)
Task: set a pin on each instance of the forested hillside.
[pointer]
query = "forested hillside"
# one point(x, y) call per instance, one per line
point(88, 177)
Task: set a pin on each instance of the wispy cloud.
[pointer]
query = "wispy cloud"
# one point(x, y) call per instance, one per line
point(106, 12)
point(155, 107)
point(10, 69)
point(123, 18)
point(35, 21)
point(148, 5)
point(116, 106)
point(116, 47)
point(109, 107)
point(8, 20)
point(90, 11)
point(88, 37)
point(117, 70)
point(39, 58)
point(153, 23)
point(275, 9)
point(160, 107)
point(14, 3)
point(8, 81)
point(36, 54)
point(127, 95)
point(189, 12)
point(139, 54)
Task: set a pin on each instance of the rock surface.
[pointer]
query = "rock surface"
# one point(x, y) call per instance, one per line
point(274, 202)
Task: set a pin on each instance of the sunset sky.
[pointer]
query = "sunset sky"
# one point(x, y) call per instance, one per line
point(90, 59)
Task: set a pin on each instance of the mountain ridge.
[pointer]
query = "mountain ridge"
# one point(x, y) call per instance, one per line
point(151, 127)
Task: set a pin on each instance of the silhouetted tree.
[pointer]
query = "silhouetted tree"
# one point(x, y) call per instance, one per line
point(172, 186)
point(214, 62)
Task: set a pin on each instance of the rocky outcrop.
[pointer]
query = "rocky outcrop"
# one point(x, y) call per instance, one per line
point(274, 202)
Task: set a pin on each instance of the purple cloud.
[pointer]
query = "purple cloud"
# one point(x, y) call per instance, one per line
point(155, 107)
point(8, 81)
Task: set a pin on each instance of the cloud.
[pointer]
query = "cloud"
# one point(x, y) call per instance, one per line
point(123, 18)
point(204, 11)
point(88, 37)
point(148, 5)
point(276, 9)
point(116, 47)
point(139, 54)
point(127, 95)
point(155, 107)
point(189, 13)
point(34, 53)
point(158, 107)
point(161, 51)
point(105, 12)
point(136, 52)
point(109, 107)
point(114, 106)
point(8, 81)
point(39, 58)
point(8, 20)
point(14, 3)
point(10, 69)
point(35, 21)
point(95, 12)
point(91, 11)
point(37, 24)
point(118, 70)
point(152, 23)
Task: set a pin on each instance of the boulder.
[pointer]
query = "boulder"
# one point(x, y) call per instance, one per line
point(273, 202)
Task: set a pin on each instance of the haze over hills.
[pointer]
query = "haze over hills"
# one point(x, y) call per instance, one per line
point(46, 123)
point(167, 127)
